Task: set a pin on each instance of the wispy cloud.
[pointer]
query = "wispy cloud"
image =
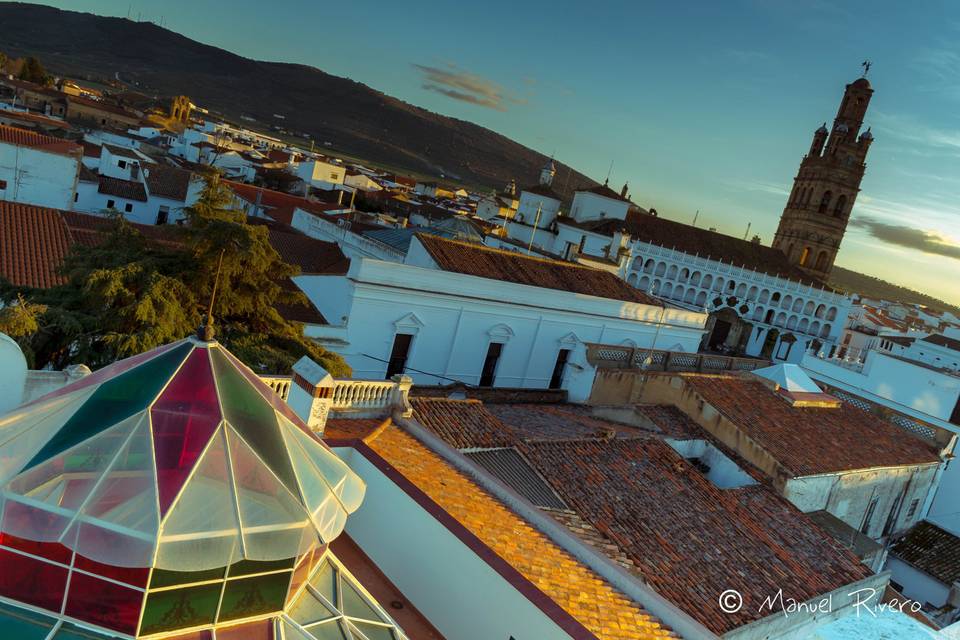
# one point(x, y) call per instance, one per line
point(464, 86)
point(909, 237)
point(911, 130)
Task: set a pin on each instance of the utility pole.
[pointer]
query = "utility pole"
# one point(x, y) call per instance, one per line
point(536, 221)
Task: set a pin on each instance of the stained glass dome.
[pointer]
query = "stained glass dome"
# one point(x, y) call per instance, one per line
point(169, 490)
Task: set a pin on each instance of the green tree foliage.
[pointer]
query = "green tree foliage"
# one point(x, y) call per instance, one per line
point(33, 71)
point(129, 293)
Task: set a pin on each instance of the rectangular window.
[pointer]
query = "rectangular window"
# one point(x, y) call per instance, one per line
point(76, 197)
point(556, 380)
point(122, 164)
point(912, 511)
point(163, 215)
point(3, 184)
point(489, 372)
point(869, 516)
point(398, 355)
point(128, 207)
point(111, 204)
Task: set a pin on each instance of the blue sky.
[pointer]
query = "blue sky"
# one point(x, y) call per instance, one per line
point(699, 105)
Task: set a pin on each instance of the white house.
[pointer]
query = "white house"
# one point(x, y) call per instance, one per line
point(454, 311)
point(320, 173)
point(37, 169)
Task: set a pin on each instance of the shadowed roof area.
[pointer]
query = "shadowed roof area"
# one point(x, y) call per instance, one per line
point(510, 266)
point(40, 142)
point(932, 550)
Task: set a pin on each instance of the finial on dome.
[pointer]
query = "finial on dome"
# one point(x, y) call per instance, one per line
point(205, 331)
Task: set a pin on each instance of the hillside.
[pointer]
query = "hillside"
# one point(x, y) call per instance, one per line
point(354, 118)
point(854, 282)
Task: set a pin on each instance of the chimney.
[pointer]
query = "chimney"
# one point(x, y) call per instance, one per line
point(311, 394)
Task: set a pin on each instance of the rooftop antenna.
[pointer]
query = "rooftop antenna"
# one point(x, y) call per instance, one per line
point(747, 232)
point(609, 171)
point(205, 330)
point(695, 216)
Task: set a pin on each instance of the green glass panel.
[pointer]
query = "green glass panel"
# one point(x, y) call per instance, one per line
point(164, 578)
point(372, 631)
point(308, 610)
point(253, 418)
point(325, 582)
point(253, 596)
point(115, 400)
point(23, 624)
point(247, 567)
point(327, 631)
point(70, 631)
point(355, 605)
point(180, 608)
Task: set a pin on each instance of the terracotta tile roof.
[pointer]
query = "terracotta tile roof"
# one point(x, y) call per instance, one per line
point(87, 174)
point(101, 106)
point(932, 550)
point(268, 197)
point(91, 150)
point(510, 266)
point(25, 138)
point(122, 188)
point(876, 316)
point(605, 191)
point(810, 440)
point(168, 182)
point(311, 255)
point(942, 341)
point(463, 424)
point(640, 503)
point(33, 243)
point(702, 242)
point(121, 152)
point(574, 587)
point(36, 119)
point(671, 422)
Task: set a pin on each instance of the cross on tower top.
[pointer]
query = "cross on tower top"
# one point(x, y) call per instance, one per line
point(866, 64)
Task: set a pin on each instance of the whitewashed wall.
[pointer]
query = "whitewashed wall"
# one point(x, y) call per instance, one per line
point(37, 177)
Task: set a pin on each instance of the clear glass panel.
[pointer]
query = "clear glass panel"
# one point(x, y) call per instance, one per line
point(371, 631)
point(104, 603)
point(118, 523)
point(269, 394)
point(271, 519)
point(328, 631)
point(20, 624)
point(180, 608)
point(201, 530)
point(65, 483)
point(293, 632)
point(114, 400)
point(325, 582)
point(246, 597)
point(253, 418)
point(354, 604)
point(26, 430)
point(308, 609)
point(349, 486)
point(184, 418)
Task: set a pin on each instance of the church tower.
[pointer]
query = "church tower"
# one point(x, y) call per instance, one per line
point(824, 190)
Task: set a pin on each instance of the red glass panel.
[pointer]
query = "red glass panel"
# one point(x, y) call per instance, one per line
point(184, 417)
point(300, 574)
point(261, 630)
point(106, 372)
point(32, 581)
point(104, 603)
point(137, 576)
point(52, 550)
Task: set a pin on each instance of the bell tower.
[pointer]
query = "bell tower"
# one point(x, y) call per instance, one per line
point(826, 186)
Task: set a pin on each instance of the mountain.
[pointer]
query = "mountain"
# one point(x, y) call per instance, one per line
point(352, 117)
point(870, 287)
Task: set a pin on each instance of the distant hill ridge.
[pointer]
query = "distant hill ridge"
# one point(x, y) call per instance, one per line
point(870, 287)
point(356, 119)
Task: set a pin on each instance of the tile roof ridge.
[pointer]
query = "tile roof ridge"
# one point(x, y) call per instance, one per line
point(507, 252)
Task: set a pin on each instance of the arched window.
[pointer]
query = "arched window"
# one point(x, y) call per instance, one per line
point(825, 201)
point(822, 261)
point(804, 256)
point(840, 209)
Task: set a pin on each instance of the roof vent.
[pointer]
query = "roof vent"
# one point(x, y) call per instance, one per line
point(793, 384)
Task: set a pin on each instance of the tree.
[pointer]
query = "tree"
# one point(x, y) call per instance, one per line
point(33, 71)
point(129, 293)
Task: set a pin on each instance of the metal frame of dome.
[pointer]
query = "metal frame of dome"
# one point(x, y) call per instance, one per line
point(176, 467)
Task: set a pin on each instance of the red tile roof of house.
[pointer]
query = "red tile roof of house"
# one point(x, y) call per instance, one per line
point(810, 440)
point(876, 316)
point(122, 188)
point(696, 241)
point(684, 536)
point(24, 138)
point(510, 266)
point(943, 341)
point(168, 182)
point(605, 191)
point(36, 119)
point(33, 243)
point(91, 150)
point(932, 550)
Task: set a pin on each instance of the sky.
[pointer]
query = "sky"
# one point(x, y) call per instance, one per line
point(700, 106)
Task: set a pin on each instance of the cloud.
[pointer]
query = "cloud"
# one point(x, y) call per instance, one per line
point(466, 87)
point(903, 236)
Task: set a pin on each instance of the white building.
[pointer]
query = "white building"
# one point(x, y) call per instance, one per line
point(37, 169)
point(454, 311)
point(320, 173)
